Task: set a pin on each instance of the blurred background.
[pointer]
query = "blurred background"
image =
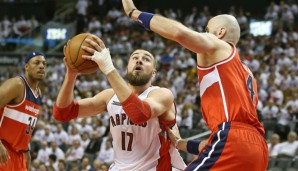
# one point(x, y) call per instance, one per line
point(268, 45)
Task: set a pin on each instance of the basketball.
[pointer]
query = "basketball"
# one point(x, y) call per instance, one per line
point(74, 52)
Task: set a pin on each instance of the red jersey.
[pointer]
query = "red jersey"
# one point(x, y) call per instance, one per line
point(18, 121)
point(228, 93)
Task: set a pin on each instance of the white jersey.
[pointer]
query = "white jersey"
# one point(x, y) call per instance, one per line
point(137, 147)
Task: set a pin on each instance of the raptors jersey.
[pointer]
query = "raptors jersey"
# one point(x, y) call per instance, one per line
point(17, 121)
point(137, 147)
point(228, 93)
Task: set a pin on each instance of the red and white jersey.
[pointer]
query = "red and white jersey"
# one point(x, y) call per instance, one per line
point(18, 121)
point(138, 147)
point(228, 93)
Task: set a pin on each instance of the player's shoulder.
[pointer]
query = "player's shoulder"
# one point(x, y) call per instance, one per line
point(108, 93)
point(15, 81)
point(161, 91)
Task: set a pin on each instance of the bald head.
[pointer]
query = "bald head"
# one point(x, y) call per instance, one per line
point(227, 22)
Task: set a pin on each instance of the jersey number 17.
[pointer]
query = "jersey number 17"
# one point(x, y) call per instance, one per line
point(127, 136)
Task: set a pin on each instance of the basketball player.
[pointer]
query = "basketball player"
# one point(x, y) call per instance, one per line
point(138, 111)
point(20, 100)
point(227, 89)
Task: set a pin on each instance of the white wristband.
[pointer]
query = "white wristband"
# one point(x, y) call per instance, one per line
point(103, 60)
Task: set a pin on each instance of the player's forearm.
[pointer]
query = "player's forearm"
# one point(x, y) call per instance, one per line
point(173, 30)
point(65, 109)
point(65, 96)
point(190, 146)
point(165, 27)
point(119, 86)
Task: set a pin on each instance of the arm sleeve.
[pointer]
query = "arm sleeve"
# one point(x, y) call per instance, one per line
point(137, 110)
point(66, 114)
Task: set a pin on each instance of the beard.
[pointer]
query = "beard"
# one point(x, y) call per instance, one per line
point(138, 79)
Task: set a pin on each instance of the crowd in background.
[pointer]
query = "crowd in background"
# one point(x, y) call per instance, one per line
point(85, 144)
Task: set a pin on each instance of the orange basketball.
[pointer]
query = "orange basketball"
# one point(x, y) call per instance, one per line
point(74, 52)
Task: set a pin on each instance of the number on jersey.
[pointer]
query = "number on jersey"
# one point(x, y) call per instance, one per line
point(250, 87)
point(127, 136)
point(31, 124)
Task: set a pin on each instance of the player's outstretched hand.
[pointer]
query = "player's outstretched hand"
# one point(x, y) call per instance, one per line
point(4, 157)
point(101, 55)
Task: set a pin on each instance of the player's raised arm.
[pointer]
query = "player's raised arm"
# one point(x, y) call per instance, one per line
point(171, 29)
point(65, 108)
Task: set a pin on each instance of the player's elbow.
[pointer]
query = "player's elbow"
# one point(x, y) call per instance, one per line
point(58, 115)
point(65, 114)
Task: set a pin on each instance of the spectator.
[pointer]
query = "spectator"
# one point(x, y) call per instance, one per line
point(94, 26)
point(35, 165)
point(43, 152)
point(75, 153)
point(48, 134)
point(33, 23)
point(96, 166)
point(53, 162)
point(61, 165)
point(283, 123)
point(114, 13)
point(61, 137)
point(85, 164)
point(106, 155)
point(42, 167)
point(93, 147)
point(81, 7)
point(270, 111)
point(98, 126)
point(85, 127)
point(74, 135)
point(85, 140)
point(273, 146)
point(288, 149)
point(54, 149)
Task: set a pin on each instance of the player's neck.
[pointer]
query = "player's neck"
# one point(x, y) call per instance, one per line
point(32, 83)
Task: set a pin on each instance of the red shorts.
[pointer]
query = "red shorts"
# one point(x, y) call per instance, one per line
point(235, 146)
point(17, 161)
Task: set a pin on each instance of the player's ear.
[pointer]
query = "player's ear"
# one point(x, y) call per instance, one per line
point(26, 66)
point(154, 73)
point(221, 32)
